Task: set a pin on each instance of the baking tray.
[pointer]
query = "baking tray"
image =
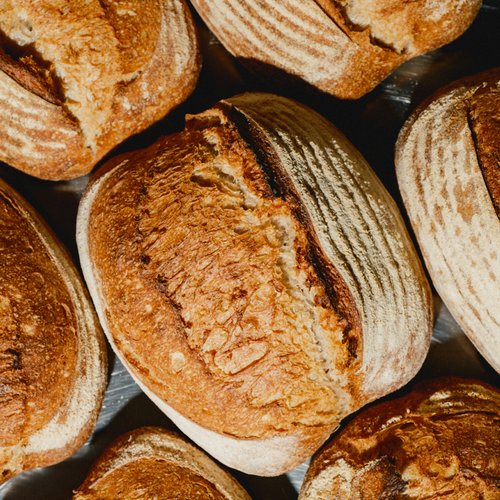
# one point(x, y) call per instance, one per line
point(372, 124)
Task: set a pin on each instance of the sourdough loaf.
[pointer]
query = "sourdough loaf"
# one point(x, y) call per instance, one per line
point(77, 78)
point(448, 173)
point(439, 441)
point(52, 351)
point(256, 279)
point(342, 47)
point(152, 463)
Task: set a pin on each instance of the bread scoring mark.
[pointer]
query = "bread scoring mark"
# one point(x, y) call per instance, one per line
point(226, 259)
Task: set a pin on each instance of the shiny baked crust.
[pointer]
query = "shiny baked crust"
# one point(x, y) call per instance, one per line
point(158, 464)
point(342, 47)
point(52, 352)
point(447, 168)
point(439, 441)
point(93, 73)
point(256, 279)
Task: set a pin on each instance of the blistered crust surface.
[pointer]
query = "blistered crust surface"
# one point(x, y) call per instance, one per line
point(447, 170)
point(213, 266)
point(439, 441)
point(341, 47)
point(91, 74)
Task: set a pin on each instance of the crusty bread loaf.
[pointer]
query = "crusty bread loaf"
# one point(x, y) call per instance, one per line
point(90, 75)
point(342, 47)
point(52, 351)
point(152, 463)
point(439, 441)
point(256, 279)
point(448, 173)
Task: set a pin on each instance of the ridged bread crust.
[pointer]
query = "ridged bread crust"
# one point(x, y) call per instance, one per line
point(159, 464)
point(448, 176)
point(97, 73)
point(52, 350)
point(439, 441)
point(342, 47)
point(256, 279)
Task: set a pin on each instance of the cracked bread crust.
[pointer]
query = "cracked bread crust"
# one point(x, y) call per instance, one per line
point(158, 464)
point(90, 75)
point(439, 440)
point(342, 47)
point(447, 168)
point(215, 288)
point(52, 353)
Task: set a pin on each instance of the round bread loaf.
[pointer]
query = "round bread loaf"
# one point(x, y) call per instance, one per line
point(77, 78)
point(447, 159)
point(52, 350)
point(439, 441)
point(152, 463)
point(342, 47)
point(256, 278)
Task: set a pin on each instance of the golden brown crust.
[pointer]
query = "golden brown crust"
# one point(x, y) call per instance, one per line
point(342, 47)
point(211, 259)
point(158, 464)
point(50, 345)
point(90, 76)
point(441, 439)
point(223, 309)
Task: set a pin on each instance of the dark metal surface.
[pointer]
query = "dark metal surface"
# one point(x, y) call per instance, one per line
point(372, 124)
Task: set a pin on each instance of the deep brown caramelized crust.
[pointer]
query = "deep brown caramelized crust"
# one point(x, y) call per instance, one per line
point(484, 118)
point(151, 479)
point(440, 441)
point(206, 271)
point(38, 336)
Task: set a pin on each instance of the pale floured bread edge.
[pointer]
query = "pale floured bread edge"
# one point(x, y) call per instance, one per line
point(451, 211)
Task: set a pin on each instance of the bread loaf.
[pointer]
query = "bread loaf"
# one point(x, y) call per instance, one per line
point(152, 463)
point(448, 173)
point(342, 47)
point(52, 351)
point(439, 441)
point(256, 278)
point(77, 78)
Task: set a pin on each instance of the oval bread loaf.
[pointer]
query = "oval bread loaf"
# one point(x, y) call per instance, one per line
point(448, 173)
point(154, 463)
point(77, 78)
point(52, 349)
point(342, 47)
point(439, 441)
point(256, 278)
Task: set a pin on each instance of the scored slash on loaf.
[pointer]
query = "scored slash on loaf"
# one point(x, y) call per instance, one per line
point(256, 279)
point(447, 168)
point(78, 78)
point(342, 47)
